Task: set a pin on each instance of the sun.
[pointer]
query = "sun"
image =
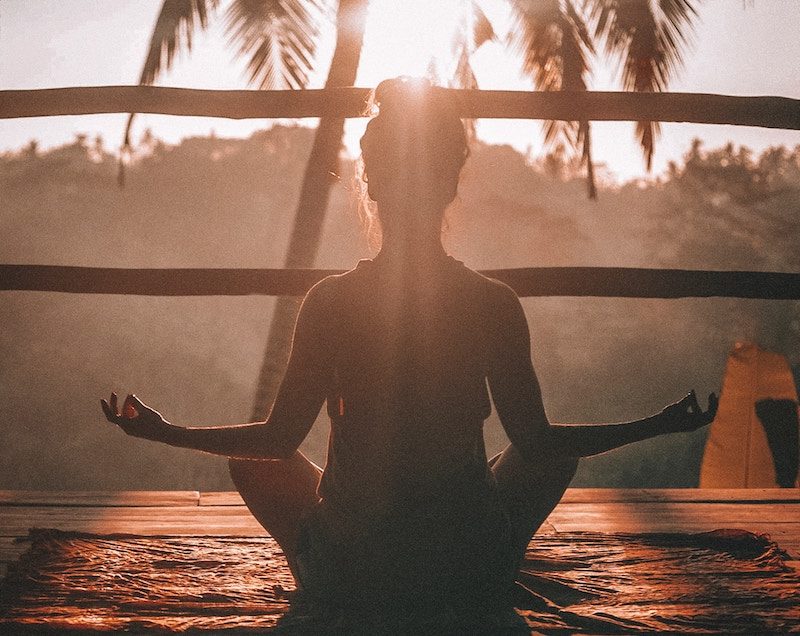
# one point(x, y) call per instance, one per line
point(408, 38)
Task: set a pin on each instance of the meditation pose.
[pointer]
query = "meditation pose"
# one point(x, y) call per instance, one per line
point(408, 350)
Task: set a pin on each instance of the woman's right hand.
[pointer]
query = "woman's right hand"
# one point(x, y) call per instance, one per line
point(136, 418)
point(686, 415)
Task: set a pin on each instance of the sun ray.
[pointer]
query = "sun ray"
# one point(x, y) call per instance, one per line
point(402, 38)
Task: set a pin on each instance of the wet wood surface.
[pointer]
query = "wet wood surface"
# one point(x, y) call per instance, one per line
point(774, 512)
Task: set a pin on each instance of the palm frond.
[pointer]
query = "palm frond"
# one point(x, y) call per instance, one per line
point(279, 38)
point(174, 29)
point(649, 37)
point(537, 38)
point(473, 31)
point(482, 29)
point(432, 71)
point(555, 44)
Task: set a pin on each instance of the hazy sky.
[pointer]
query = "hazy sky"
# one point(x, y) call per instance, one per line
point(741, 47)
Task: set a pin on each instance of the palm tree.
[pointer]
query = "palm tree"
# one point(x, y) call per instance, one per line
point(280, 38)
point(556, 40)
point(314, 195)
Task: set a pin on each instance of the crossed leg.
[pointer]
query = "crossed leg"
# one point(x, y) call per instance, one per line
point(529, 491)
point(279, 493)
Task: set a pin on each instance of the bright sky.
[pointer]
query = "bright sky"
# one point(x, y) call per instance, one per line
point(740, 47)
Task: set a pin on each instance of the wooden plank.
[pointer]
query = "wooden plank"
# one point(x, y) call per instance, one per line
point(220, 513)
point(680, 511)
point(651, 523)
point(99, 498)
point(221, 498)
point(232, 498)
point(763, 111)
point(779, 520)
point(610, 282)
point(698, 495)
point(645, 523)
point(675, 517)
point(14, 520)
point(168, 520)
point(631, 495)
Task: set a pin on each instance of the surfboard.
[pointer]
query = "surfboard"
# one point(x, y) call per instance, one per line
point(737, 452)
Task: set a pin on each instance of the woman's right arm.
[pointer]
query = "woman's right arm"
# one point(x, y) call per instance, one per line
point(294, 411)
point(518, 399)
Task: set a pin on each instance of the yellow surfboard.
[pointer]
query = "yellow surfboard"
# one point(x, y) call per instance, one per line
point(737, 452)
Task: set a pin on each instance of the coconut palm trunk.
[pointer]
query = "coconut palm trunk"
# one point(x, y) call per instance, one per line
point(313, 202)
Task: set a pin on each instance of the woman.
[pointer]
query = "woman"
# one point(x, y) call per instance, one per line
point(402, 348)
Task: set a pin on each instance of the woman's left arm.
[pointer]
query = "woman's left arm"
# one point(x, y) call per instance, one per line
point(299, 399)
point(583, 440)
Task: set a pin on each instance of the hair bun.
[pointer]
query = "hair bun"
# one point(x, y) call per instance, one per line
point(401, 93)
point(417, 131)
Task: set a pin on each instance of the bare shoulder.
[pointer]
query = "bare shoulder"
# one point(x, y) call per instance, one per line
point(491, 290)
point(325, 293)
point(319, 298)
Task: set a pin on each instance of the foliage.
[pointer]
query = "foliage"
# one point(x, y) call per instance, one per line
point(556, 41)
point(211, 202)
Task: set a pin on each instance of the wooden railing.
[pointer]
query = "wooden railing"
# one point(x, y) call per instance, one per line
point(768, 112)
point(618, 282)
point(699, 108)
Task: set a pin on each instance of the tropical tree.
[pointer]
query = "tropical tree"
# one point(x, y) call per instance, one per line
point(280, 39)
point(556, 40)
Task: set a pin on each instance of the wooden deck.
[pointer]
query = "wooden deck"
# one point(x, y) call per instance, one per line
point(775, 512)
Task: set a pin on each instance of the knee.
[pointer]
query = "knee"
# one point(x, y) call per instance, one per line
point(566, 463)
point(241, 470)
point(567, 466)
point(549, 462)
point(270, 474)
point(236, 466)
point(554, 461)
point(563, 467)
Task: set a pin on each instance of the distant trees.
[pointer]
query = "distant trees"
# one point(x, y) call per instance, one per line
point(598, 359)
point(728, 209)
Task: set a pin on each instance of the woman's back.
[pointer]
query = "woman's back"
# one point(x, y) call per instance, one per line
point(406, 468)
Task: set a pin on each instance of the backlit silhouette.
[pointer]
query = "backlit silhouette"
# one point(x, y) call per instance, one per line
point(408, 350)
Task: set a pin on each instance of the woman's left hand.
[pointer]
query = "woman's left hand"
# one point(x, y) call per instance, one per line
point(686, 415)
point(136, 419)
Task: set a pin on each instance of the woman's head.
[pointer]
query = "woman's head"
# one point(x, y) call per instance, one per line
point(413, 151)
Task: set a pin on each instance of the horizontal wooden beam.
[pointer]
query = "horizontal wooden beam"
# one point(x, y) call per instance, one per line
point(767, 112)
point(618, 282)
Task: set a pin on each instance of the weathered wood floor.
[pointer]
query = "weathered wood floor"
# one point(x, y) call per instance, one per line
point(775, 512)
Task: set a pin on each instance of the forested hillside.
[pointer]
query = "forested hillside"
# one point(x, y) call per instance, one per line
point(212, 202)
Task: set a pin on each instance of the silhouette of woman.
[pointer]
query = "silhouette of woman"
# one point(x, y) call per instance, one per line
point(401, 348)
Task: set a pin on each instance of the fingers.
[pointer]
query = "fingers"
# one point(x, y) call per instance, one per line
point(129, 407)
point(693, 405)
point(110, 415)
point(140, 406)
